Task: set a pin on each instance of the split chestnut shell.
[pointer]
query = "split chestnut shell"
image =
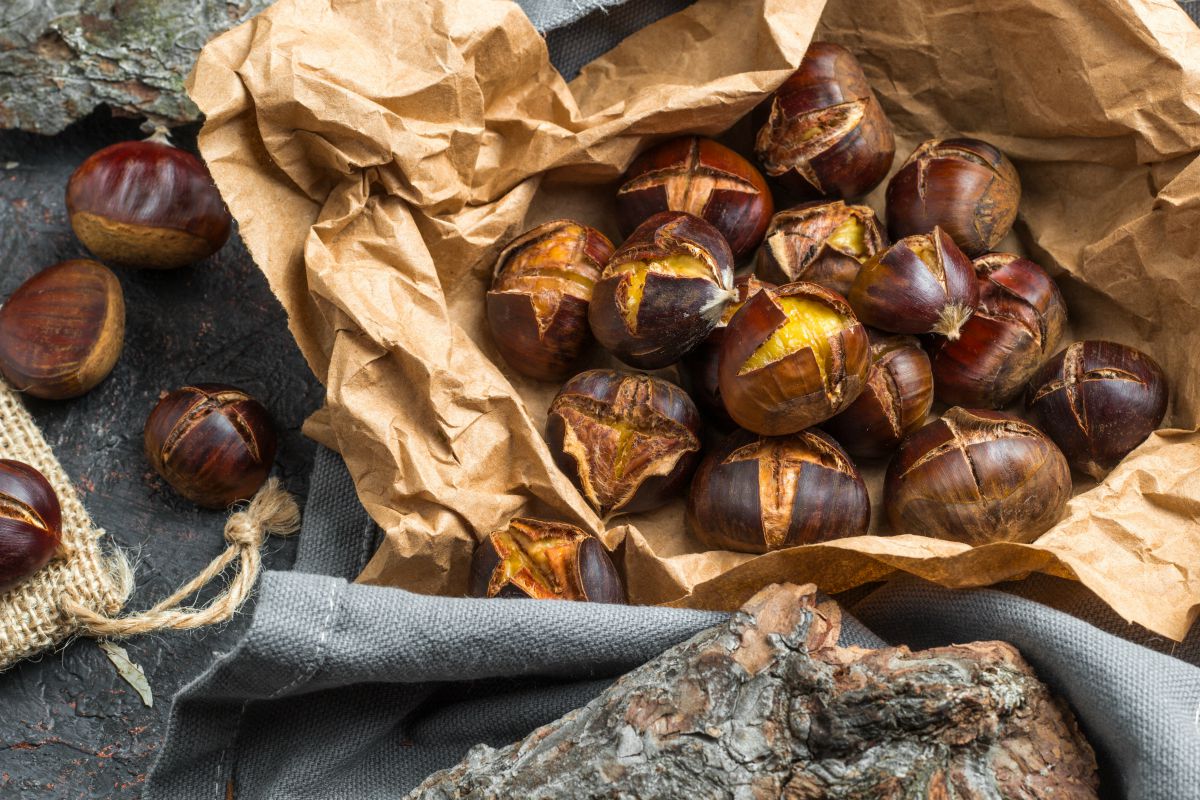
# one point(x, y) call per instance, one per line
point(823, 243)
point(533, 558)
point(30, 522)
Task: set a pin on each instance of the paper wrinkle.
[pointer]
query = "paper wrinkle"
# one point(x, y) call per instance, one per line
point(378, 155)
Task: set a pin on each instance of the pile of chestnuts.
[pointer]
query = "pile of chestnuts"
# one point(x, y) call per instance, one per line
point(832, 344)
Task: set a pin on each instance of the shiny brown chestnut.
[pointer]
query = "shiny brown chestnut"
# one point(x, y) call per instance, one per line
point(30, 522)
point(821, 243)
point(792, 357)
point(61, 331)
point(826, 134)
point(893, 404)
point(538, 304)
point(701, 177)
point(663, 291)
point(977, 476)
point(756, 493)
point(1098, 401)
point(966, 187)
point(534, 558)
point(147, 204)
point(212, 442)
point(921, 284)
point(1019, 320)
point(627, 442)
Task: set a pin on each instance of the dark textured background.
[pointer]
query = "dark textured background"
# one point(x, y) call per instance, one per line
point(70, 728)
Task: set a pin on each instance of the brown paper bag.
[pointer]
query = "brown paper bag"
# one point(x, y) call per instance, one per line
point(377, 154)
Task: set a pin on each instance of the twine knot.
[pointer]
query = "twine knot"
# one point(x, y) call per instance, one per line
point(271, 512)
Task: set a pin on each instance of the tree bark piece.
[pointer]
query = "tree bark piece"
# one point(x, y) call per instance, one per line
point(768, 706)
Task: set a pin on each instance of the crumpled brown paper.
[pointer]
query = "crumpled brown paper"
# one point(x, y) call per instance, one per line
point(378, 153)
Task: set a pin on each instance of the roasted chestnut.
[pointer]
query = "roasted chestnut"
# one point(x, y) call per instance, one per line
point(977, 476)
point(1098, 401)
point(147, 204)
point(701, 177)
point(213, 443)
point(894, 403)
point(826, 134)
point(544, 561)
point(966, 187)
point(921, 284)
point(758, 493)
point(538, 305)
point(61, 331)
point(663, 291)
point(821, 243)
point(627, 442)
point(791, 357)
point(1017, 325)
point(700, 364)
point(30, 522)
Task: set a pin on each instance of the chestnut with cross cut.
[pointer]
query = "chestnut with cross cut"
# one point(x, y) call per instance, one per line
point(756, 493)
point(1098, 401)
point(537, 308)
point(792, 357)
point(30, 522)
point(1016, 326)
point(826, 134)
point(966, 187)
point(823, 243)
point(663, 291)
point(627, 442)
point(543, 560)
point(701, 177)
point(977, 476)
point(212, 442)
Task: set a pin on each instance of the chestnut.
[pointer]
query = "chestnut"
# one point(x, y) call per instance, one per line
point(921, 284)
point(821, 243)
point(61, 331)
point(627, 442)
point(701, 177)
point(1019, 320)
point(1098, 401)
point(977, 476)
point(544, 560)
point(826, 134)
point(212, 442)
point(700, 365)
point(966, 187)
point(791, 357)
point(894, 402)
point(147, 204)
point(30, 522)
point(756, 493)
point(538, 304)
point(663, 291)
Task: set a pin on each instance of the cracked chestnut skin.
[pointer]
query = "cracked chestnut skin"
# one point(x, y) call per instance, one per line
point(1098, 401)
point(757, 493)
point(651, 325)
point(147, 204)
point(802, 379)
point(977, 476)
point(920, 284)
point(537, 308)
point(894, 403)
point(30, 522)
point(212, 442)
point(810, 243)
point(967, 187)
point(1016, 326)
point(826, 134)
point(701, 177)
point(628, 442)
point(544, 560)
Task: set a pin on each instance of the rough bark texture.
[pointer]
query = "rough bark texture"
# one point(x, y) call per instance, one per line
point(768, 706)
point(59, 59)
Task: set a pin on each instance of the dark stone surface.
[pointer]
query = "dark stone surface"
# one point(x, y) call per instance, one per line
point(70, 726)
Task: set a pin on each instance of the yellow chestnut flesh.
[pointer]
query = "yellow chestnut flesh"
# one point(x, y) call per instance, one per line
point(811, 324)
point(849, 237)
point(679, 266)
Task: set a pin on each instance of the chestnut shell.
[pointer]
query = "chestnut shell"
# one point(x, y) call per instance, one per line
point(30, 522)
point(569, 564)
point(797, 246)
